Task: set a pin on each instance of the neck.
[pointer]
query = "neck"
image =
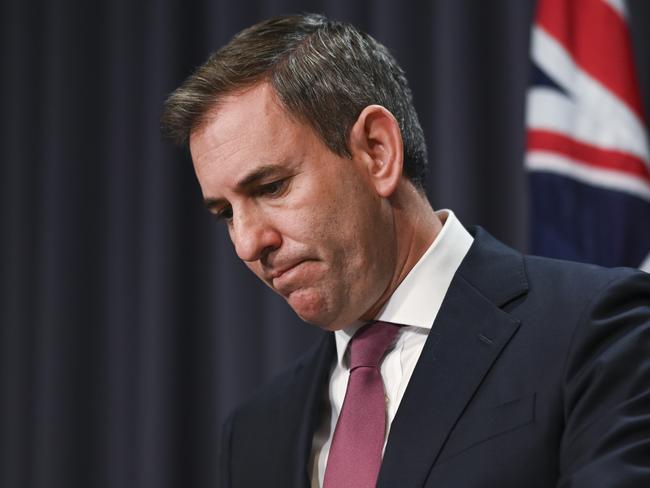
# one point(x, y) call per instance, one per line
point(416, 226)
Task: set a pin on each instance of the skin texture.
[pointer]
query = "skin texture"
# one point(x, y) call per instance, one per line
point(334, 236)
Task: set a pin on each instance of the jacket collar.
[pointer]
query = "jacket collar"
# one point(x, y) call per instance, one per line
point(466, 338)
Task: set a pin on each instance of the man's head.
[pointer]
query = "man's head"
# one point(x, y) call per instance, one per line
point(326, 215)
point(323, 72)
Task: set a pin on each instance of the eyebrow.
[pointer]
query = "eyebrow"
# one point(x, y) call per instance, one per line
point(259, 174)
point(248, 181)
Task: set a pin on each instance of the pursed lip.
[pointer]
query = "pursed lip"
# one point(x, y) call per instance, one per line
point(277, 273)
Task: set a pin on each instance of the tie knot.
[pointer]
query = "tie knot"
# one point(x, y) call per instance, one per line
point(370, 343)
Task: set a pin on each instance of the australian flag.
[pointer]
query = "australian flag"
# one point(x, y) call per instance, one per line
point(587, 140)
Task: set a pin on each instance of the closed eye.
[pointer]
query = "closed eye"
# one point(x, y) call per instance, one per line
point(272, 189)
point(219, 207)
point(224, 213)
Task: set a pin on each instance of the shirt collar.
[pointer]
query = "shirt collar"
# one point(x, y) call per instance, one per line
point(418, 298)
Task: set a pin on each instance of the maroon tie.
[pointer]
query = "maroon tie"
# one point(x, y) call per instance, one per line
point(355, 453)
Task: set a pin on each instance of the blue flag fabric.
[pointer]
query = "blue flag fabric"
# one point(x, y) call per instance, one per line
point(587, 148)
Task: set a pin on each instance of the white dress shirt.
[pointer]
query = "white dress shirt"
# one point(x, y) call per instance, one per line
point(414, 304)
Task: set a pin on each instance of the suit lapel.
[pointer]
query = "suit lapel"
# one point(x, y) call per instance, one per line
point(467, 336)
point(303, 413)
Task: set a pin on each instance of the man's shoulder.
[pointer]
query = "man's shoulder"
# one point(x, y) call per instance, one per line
point(553, 293)
point(588, 277)
point(566, 295)
point(542, 274)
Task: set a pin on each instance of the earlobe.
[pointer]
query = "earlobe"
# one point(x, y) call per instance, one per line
point(376, 142)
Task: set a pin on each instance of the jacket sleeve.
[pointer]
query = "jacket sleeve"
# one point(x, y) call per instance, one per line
point(606, 441)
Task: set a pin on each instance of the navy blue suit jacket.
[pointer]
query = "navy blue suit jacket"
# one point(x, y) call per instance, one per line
point(536, 373)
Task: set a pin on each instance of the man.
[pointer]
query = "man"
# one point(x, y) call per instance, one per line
point(502, 371)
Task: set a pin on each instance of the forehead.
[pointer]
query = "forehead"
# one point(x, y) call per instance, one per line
point(246, 130)
point(253, 107)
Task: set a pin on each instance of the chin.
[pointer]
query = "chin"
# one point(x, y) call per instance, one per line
point(312, 307)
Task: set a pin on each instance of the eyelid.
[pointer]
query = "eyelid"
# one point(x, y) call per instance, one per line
point(274, 187)
point(223, 213)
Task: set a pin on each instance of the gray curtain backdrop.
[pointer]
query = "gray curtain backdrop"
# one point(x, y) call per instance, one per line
point(128, 328)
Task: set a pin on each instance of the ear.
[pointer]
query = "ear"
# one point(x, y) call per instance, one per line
point(376, 142)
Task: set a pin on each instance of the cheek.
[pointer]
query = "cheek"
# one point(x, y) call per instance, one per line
point(314, 226)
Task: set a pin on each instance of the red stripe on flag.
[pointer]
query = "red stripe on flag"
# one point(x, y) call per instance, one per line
point(542, 140)
point(598, 39)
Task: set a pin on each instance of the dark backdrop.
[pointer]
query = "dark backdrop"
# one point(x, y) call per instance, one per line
point(128, 329)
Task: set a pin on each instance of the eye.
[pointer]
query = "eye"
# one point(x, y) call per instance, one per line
point(224, 213)
point(275, 188)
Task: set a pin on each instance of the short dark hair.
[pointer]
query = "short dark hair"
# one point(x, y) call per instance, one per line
point(324, 72)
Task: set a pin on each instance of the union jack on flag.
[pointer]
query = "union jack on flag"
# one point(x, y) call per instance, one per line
point(587, 155)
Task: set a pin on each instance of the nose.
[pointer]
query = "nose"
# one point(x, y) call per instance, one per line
point(253, 234)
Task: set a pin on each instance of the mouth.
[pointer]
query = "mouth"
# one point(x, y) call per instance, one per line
point(280, 277)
